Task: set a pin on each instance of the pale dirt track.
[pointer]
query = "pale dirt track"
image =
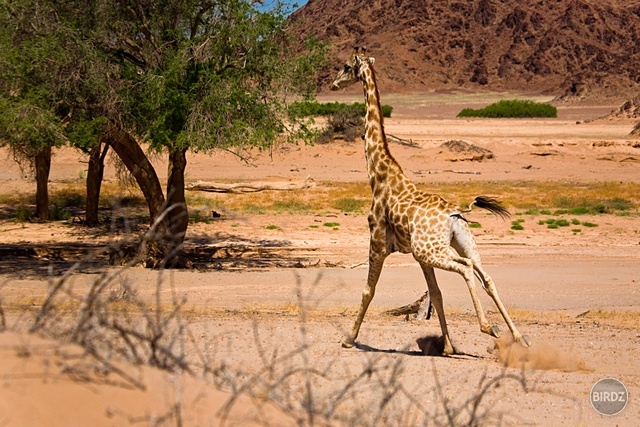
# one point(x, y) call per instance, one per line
point(576, 296)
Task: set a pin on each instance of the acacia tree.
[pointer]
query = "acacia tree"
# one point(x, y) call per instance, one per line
point(166, 76)
point(194, 75)
point(32, 57)
point(54, 86)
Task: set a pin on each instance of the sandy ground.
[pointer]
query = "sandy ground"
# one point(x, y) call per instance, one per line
point(577, 296)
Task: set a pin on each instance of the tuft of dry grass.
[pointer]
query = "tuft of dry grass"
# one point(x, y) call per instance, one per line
point(629, 319)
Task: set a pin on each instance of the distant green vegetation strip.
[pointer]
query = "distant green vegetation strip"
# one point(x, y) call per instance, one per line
point(306, 109)
point(512, 109)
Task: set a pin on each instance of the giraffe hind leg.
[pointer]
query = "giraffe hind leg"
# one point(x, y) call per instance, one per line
point(492, 291)
point(464, 244)
point(435, 297)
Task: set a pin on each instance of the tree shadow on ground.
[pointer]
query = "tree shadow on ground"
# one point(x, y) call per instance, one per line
point(229, 252)
point(205, 253)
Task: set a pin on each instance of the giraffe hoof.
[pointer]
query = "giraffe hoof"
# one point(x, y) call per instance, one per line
point(525, 341)
point(494, 331)
point(347, 343)
point(448, 352)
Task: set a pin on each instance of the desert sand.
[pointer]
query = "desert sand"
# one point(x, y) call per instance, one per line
point(270, 317)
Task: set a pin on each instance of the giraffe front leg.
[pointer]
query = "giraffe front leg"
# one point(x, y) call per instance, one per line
point(375, 268)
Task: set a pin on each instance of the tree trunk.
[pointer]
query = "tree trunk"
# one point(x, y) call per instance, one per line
point(131, 154)
point(178, 216)
point(43, 167)
point(157, 247)
point(95, 174)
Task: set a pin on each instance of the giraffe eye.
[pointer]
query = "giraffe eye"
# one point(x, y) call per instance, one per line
point(347, 68)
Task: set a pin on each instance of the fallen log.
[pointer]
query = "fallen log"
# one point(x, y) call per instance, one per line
point(249, 187)
point(406, 142)
point(421, 309)
point(434, 171)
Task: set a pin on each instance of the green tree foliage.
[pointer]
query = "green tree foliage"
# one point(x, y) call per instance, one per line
point(512, 109)
point(34, 55)
point(172, 75)
point(206, 74)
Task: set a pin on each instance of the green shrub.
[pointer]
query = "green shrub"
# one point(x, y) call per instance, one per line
point(68, 199)
point(272, 227)
point(349, 204)
point(197, 216)
point(554, 223)
point(576, 206)
point(614, 205)
point(579, 210)
point(348, 123)
point(589, 224)
point(58, 213)
point(475, 225)
point(344, 119)
point(512, 109)
point(23, 214)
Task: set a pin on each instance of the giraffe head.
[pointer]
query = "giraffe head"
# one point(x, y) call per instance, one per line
point(353, 69)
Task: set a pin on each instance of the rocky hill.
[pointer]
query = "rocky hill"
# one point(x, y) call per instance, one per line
point(572, 48)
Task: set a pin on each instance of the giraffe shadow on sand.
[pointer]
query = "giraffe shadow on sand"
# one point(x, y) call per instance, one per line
point(430, 345)
point(407, 220)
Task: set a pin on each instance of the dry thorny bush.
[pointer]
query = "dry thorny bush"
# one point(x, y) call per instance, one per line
point(119, 331)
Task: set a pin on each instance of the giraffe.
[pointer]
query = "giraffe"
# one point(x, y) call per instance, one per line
point(407, 220)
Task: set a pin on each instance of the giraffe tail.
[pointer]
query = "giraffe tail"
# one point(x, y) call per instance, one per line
point(492, 205)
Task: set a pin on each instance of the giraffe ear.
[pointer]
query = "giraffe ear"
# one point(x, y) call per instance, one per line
point(371, 60)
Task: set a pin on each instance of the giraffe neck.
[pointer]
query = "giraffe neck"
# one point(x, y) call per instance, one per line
point(381, 166)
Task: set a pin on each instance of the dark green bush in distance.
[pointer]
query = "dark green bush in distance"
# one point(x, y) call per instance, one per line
point(306, 109)
point(512, 109)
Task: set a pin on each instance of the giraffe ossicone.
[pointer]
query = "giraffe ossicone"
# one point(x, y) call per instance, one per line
point(407, 220)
